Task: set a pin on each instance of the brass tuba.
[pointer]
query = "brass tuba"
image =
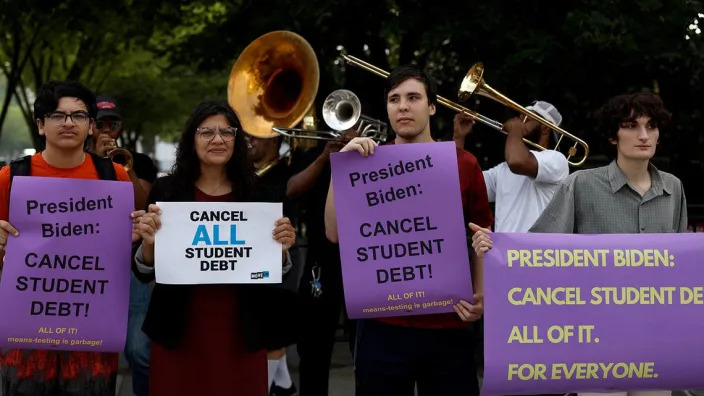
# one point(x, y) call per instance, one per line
point(474, 83)
point(272, 87)
point(273, 83)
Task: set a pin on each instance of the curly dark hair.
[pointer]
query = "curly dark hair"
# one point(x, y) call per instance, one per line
point(628, 107)
point(240, 171)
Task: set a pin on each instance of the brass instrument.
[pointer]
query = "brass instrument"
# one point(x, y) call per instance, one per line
point(474, 83)
point(115, 152)
point(272, 87)
point(273, 83)
point(264, 169)
point(342, 110)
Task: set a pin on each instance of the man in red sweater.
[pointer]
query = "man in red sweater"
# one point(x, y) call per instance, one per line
point(432, 352)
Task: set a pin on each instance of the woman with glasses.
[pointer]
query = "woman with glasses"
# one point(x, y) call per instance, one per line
point(207, 339)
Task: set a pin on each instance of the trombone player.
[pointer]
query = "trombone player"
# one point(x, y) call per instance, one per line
point(108, 127)
point(526, 181)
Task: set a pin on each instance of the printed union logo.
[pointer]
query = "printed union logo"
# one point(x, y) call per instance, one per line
point(259, 275)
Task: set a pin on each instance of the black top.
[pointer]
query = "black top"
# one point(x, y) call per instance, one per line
point(165, 321)
point(312, 209)
point(142, 164)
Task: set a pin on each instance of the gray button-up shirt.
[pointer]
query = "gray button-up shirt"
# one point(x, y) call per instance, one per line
point(600, 201)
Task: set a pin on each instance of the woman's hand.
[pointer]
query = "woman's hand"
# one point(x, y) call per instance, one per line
point(149, 223)
point(284, 233)
point(135, 216)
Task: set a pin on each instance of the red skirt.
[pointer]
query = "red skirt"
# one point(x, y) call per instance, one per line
point(212, 358)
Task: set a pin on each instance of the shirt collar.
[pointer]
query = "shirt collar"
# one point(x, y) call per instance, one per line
point(618, 179)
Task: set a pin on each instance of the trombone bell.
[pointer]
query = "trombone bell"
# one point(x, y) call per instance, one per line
point(471, 81)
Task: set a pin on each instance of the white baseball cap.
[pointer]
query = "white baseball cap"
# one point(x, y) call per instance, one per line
point(546, 110)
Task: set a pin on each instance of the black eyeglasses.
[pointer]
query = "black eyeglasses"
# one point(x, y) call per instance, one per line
point(208, 134)
point(113, 125)
point(77, 117)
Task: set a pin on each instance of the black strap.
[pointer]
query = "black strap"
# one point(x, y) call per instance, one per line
point(20, 166)
point(103, 165)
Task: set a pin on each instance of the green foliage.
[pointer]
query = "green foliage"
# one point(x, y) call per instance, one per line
point(160, 58)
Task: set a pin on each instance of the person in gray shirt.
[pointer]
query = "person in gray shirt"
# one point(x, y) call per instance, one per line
point(628, 196)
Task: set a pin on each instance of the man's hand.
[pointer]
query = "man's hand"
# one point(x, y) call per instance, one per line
point(5, 230)
point(336, 145)
point(462, 125)
point(333, 146)
point(481, 241)
point(516, 125)
point(104, 144)
point(468, 312)
point(364, 145)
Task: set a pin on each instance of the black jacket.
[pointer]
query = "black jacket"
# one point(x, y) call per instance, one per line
point(165, 322)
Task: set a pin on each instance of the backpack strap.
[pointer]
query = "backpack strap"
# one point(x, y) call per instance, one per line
point(20, 167)
point(104, 166)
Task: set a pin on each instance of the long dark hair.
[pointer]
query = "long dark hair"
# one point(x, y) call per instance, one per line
point(240, 171)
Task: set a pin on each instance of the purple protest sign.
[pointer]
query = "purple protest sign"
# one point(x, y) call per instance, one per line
point(599, 313)
point(401, 230)
point(66, 279)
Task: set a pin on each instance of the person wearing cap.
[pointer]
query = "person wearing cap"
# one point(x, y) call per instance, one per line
point(107, 128)
point(522, 185)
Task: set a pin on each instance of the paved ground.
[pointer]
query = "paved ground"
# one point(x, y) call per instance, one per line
point(341, 374)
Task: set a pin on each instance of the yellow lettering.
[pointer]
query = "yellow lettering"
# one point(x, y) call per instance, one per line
point(693, 295)
point(546, 296)
point(594, 370)
point(512, 256)
point(526, 371)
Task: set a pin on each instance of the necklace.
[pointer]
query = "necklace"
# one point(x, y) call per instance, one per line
point(212, 192)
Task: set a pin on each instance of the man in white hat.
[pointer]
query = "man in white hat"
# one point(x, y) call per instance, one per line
point(526, 181)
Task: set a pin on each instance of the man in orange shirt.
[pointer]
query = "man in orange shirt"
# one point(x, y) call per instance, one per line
point(64, 112)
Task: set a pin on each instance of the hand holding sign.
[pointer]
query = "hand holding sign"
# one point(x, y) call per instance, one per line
point(5, 230)
point(468, 312)
point(284, 233)
point(364, 145)
point(149, 224)
point(481, 241)
point(135, 216)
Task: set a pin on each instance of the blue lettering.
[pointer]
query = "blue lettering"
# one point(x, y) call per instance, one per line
point(216, 236)
point(201, 236)
point(233, 236)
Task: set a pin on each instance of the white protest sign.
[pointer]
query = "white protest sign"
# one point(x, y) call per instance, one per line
point(217, 242)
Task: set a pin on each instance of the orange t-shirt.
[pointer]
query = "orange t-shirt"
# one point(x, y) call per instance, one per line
point(40, 167)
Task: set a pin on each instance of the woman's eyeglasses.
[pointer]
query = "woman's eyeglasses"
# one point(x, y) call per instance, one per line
point(208, 134)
